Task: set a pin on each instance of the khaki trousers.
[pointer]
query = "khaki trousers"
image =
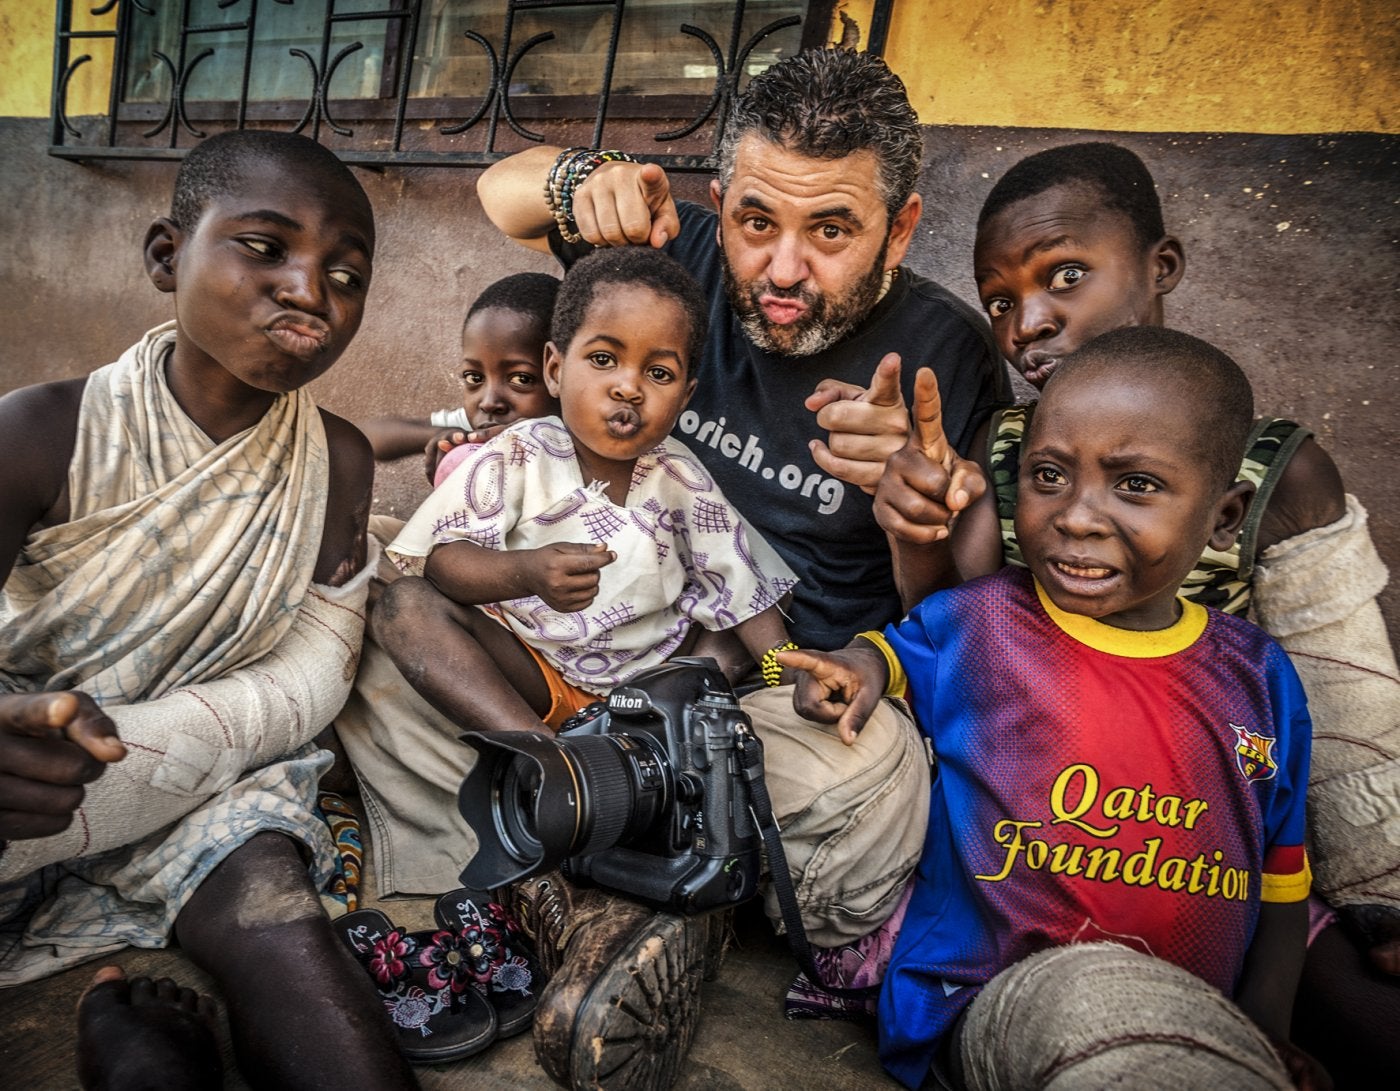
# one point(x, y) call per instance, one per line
point(852, 818)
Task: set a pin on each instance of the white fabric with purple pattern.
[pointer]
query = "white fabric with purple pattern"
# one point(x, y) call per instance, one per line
point(684, 555)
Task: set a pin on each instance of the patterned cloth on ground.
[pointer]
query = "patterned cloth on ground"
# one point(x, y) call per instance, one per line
point(342, 893)
point(858, 965)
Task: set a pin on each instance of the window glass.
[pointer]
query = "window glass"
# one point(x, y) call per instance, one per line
point(654, 57)
point(275, 30)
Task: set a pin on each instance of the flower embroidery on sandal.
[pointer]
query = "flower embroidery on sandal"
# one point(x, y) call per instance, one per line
point(428, 984)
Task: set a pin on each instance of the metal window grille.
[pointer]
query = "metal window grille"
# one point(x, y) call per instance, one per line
point(465, 127)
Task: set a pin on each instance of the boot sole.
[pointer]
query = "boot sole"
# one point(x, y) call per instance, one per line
point(637, 1021)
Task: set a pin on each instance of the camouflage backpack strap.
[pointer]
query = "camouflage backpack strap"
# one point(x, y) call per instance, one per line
point(1008, 429)
point(1223, 579)
point(1273, 443)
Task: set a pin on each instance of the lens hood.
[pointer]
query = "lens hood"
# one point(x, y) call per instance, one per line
point(522, 802)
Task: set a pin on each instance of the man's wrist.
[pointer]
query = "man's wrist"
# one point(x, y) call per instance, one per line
point(571, 169)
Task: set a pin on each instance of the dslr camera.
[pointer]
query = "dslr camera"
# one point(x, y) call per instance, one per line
point(645, 794)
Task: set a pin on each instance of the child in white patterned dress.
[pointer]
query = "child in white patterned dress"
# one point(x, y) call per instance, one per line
point(568, 553)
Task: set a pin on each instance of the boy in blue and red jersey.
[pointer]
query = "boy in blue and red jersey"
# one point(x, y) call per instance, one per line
point(1115, 763)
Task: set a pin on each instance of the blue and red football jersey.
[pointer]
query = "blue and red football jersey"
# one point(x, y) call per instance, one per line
point(1093, 784)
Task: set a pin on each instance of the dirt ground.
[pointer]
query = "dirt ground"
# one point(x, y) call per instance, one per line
point(743, 1042)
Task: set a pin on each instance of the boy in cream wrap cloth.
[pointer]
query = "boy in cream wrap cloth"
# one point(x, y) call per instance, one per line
point(184, 566)
point(225, 662)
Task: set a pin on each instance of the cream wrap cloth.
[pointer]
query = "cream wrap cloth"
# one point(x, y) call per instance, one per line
point(179, 595)
point(1316, 595)
point(181, 559)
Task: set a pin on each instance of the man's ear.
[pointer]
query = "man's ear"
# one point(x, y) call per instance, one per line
point(902, 230)
point(553, 361)
point(689, 390)
point(1229, 515)
point(163, 240)
point(717, 199)
point(1168, 264)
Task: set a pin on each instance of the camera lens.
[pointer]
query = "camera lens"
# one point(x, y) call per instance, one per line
point(550, 798)
point(623, 784)
point(520, 789)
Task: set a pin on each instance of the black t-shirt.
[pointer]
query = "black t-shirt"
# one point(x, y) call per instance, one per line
point(747, 424)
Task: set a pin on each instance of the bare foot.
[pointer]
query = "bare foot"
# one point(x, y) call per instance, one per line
point(144, 1034)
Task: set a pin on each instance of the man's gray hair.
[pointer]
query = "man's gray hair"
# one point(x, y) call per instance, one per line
point(828, 103)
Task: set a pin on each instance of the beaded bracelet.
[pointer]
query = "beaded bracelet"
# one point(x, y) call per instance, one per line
point(571, 169)
point(553, 187)
point(773, 670)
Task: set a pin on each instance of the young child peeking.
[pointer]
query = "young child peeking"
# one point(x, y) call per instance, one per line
point(599, 543)
point(1115, 763)
point(503, 339)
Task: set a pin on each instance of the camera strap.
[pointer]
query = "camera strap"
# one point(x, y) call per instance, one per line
point(761, 808)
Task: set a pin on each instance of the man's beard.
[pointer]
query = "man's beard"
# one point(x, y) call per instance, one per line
point(825, 322)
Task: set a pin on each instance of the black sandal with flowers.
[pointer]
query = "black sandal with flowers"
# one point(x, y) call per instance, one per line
point(429, 985)
point(498, 952)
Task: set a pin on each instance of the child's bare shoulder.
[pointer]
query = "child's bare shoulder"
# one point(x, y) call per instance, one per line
point(347, 507)
point(1309, 494)
point(38, 426)
point(345, 439)
point(352, 460)
point(58, 402)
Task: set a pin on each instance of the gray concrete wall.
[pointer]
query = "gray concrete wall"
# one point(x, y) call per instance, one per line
point(1293, 268)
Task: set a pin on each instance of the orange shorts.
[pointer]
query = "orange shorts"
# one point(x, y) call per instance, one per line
point(564, 699)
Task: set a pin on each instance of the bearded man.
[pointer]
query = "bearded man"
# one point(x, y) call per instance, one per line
point(814, 209)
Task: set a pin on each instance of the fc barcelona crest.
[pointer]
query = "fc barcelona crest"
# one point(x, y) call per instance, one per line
point(1254, 754)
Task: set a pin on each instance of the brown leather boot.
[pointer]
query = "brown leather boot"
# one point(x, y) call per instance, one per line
point(621, 1010)
point(551, 911)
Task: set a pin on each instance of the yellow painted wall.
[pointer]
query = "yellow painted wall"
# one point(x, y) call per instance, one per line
point(26, 46)
point(26, 41)
point(1263, 66)
point(1271, 66)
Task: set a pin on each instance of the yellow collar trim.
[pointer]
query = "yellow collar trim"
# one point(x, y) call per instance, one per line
point(1129, 643)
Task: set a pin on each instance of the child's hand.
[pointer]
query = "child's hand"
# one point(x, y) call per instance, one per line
point(51, 744)
point(566, 574)
point(439, 445)
point(925, 484)
point(866, 426)
point(481, 435)
point(840, 687)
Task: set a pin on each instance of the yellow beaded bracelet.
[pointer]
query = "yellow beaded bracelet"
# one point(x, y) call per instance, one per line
point(769, 665)
point(898, 682)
